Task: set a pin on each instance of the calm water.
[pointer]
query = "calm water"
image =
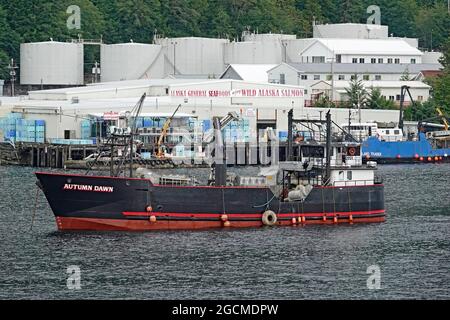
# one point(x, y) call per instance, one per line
point(315, 262)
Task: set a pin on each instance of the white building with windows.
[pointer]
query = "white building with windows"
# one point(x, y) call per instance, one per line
point(308, 74)
point(390, 90)
point(381, 51)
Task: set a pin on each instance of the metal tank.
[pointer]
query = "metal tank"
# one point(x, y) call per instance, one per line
point(254, 52)
point(194, 57)
point(131, 61)
point(51, 63)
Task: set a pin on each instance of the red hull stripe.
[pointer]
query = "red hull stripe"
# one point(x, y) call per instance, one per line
point(91, 224)
point(247, 215)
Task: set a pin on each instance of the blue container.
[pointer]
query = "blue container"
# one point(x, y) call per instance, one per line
point(206, 125)
point(148, 123)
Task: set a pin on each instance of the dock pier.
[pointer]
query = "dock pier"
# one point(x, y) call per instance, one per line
point(45, 155)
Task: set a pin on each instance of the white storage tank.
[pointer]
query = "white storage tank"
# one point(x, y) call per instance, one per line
point(255, 52)
point(195, 57)
point(131, 61)
point(350, 31)
point(265, 37)
point(51, 63)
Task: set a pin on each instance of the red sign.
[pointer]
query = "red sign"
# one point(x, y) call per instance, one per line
point(238, 93)
point(111, 116)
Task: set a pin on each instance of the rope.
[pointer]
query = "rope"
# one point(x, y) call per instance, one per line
point(265, 204)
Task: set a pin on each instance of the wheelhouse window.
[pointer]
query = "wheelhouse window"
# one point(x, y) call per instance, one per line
point(312, 152)
point(349, 175)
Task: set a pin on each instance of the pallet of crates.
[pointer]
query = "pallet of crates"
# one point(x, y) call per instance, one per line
point(40, 131)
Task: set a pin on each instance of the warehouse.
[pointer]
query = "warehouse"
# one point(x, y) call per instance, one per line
point(261, 105)
point(64, 110)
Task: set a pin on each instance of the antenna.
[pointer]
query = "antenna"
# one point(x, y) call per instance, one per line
point(12, 72)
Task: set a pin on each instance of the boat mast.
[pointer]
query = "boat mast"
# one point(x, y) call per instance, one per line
point(220, 165)
point(328, 149)
point(290, 135)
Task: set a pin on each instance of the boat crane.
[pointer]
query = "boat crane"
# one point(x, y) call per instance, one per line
point(231, 116)
point(159, 147)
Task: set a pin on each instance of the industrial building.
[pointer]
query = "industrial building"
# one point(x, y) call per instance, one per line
point(62, 64)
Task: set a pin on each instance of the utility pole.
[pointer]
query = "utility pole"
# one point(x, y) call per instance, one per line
point(359, 107)
point(174, 43)
point(12, 72)
point(332, 77)
point(285, 51)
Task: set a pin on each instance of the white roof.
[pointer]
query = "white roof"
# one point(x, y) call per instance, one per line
point(120, 89)
point(368, 46)
point(251, 72)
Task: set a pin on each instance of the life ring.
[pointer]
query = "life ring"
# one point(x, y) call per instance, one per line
point(269, 218)
point(352, 151)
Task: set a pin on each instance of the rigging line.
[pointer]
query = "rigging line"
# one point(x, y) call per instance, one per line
point(265, 204)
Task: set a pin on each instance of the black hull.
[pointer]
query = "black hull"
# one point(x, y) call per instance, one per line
point(104, 203)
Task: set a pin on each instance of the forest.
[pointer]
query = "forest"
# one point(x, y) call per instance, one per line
point(139, 20)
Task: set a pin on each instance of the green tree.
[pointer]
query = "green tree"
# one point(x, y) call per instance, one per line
point(441, 85)
point(137, 20)
point(324, 102)
point(433, 25)
point(357, 94)
point(376, 101)
point(406, 76)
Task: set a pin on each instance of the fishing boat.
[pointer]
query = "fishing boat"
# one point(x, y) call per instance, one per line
point(320, 183)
